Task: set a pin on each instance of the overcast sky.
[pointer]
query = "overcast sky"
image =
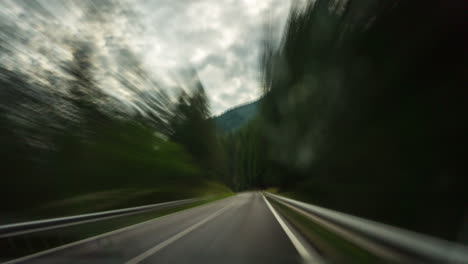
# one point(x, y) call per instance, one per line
point(221, 39)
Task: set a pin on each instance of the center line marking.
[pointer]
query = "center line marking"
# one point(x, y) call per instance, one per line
point(174, 238)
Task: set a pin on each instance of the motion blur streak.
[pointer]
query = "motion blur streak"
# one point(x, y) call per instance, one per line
point(364, 112)
point(354, 105)
point(85, 126)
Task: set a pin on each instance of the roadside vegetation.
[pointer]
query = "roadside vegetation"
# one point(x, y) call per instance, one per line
point(69, 147)
point(364, 112)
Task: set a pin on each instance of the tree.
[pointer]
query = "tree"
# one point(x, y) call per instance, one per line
point(193, 127)
point(363, 110)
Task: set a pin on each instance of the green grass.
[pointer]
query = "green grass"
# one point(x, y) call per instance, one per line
point(273, 190)
point(334, 248)
point(121, 198)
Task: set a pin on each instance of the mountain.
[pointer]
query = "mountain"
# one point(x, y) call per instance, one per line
point(236, 117)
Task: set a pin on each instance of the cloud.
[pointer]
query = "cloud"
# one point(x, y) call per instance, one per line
point(220, 38)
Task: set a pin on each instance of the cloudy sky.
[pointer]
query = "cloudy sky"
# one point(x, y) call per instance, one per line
point(221, 39)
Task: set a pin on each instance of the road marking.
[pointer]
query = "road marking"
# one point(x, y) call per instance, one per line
point(79, 242)
point(40, 229)
point(174, 238)
point(301, 249)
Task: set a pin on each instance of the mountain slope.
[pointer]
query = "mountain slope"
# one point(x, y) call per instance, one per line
point(237, 117)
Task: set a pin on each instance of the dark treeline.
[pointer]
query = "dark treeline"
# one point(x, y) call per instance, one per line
point(74, 139)
point(365, 112)
point(246, 160)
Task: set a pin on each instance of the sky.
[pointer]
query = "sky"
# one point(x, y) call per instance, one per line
point(220, 39)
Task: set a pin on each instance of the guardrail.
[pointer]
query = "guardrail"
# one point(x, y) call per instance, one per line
point(23, 228)
point(392, 244)
point(26, 238)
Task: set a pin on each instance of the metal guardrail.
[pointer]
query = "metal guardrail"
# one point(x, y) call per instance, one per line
point(391, 243)
point(12, 230)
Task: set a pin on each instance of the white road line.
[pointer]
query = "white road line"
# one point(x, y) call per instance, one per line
point(52, 250)
point(174, 238)
point(301, 249)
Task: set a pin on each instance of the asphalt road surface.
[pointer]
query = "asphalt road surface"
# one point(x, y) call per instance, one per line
point(239, 229)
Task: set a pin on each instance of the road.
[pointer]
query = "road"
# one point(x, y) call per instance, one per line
point(239, 229)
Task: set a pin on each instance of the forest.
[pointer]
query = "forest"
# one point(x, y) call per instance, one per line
point(57, 146)
point(364, 112)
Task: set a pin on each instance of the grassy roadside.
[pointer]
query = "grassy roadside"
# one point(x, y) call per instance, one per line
point(332, 247)
point(40, 241)
point(105, 200)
